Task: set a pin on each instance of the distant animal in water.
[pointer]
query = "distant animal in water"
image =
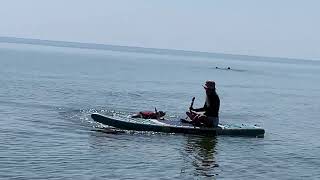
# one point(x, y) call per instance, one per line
point(228, 68)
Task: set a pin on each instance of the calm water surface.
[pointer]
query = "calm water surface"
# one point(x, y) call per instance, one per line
point(48, 93)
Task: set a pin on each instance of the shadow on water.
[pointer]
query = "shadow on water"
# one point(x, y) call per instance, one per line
point(199, 156)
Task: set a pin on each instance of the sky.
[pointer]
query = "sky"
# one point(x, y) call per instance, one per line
point(276, 28)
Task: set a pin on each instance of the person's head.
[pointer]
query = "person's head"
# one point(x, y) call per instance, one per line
point(161, 113)
point(210, 87)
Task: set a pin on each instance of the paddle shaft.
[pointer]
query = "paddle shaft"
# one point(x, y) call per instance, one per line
point(191, 106)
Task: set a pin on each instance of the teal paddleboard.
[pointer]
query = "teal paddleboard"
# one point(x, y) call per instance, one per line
point(173, 127)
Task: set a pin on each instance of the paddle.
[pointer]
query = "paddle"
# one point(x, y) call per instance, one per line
point(191, 106)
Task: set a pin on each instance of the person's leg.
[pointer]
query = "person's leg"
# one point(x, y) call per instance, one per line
point(202, 119)
point(191, 115)
point(194, 118)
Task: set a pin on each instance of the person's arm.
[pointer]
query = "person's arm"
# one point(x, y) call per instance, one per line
point(200, 109)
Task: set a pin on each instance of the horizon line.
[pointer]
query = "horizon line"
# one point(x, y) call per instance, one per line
point(136, 49)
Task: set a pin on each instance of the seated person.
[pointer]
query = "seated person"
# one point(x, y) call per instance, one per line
point(208, 115)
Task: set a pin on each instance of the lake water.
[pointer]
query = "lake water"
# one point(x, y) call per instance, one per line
point(48, 93)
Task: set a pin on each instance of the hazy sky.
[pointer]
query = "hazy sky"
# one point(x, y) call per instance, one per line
point(284, 28)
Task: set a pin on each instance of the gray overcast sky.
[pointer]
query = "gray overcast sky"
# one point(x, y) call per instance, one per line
point(283, 28)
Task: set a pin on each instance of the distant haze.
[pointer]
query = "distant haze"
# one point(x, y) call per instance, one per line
point(286, 28)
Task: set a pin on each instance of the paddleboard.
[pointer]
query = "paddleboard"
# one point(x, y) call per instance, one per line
point(175, 127)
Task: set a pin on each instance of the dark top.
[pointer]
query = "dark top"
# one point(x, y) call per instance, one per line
point(211, 106)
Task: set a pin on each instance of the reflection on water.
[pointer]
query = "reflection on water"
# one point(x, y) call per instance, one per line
point(199, 156)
